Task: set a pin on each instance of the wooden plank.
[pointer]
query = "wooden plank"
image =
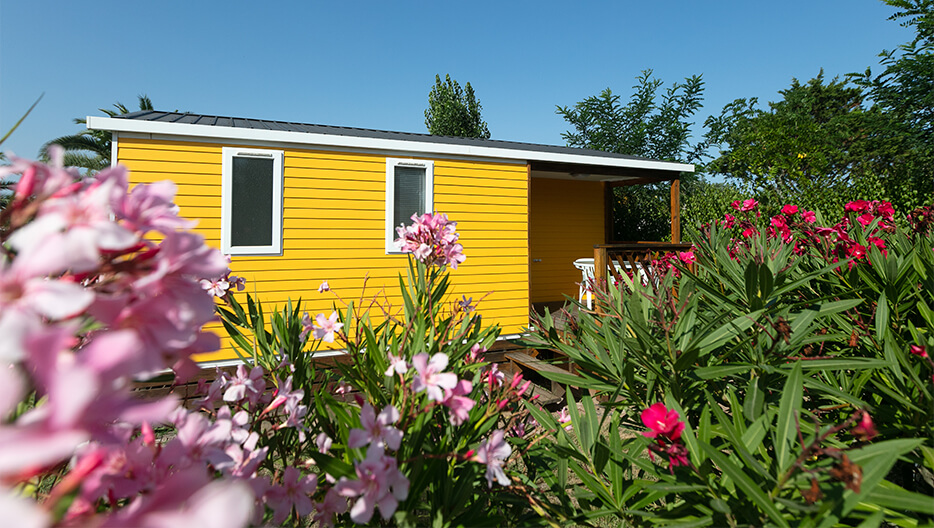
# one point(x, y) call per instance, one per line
point(532, 363)
point(676, 211)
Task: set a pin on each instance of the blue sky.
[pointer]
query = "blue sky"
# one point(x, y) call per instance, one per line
point(372, 64)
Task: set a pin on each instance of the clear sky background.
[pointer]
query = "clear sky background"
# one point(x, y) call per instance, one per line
point(372, 64)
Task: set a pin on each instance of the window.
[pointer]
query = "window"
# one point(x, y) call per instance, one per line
point(251, 202)
point(408, 191)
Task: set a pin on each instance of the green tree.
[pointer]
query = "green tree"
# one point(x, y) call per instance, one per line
point(815, 147)
point(904, 93)
point(641, 127)
point(90, 149)
point(453, 111)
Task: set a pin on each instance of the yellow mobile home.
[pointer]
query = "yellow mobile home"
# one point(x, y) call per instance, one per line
point(296, 204)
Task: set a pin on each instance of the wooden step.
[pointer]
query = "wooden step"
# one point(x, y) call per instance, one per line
point(532, 363)
point(545, 396)
point(526, 361)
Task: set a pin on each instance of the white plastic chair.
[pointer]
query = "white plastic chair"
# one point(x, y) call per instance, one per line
point(587, 268)
point(585, 265)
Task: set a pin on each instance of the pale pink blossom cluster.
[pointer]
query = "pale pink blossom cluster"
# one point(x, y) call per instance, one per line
point(432, 239)
point(323, 328)
point(88, 303)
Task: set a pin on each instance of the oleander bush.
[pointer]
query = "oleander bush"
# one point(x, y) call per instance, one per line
point(778, 374)
point(783, 379)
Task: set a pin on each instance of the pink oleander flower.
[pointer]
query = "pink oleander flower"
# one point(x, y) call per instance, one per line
point(215, 288)
point(324, 287)
point(565, 418)
point(325, 327)
point(728, 220)
point(865, 219)
point(379, 483)
point(809, 217)
point(332, 505)
point(677, 455)
point(246, 385)
point(495, 376)
point(857, 206)
point(457, 401)
point(323, 443)
point(430, 378)
point(746, 205)
point(376, 429)
point(856, 251)
point(687, 257)
point(431, 239)
point(662, 422)
point(397, 365)
point(789, 210)
point(917, 350)
point(494, 452)
point(293, 493)
point(865, 430)
point(885, 210)
point(476, 353)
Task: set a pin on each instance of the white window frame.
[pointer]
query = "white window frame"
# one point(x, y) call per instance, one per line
point(391, 164)
point(277, 157)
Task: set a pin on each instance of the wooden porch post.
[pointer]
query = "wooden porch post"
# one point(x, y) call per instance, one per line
point(676, 211)
point(600, 263)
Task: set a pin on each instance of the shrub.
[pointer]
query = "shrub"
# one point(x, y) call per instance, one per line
point(781, 381)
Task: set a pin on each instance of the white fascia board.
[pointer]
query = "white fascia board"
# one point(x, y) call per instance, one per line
point(395, 145)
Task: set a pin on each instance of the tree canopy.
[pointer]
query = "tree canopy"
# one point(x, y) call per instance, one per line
point(454, 111)
point(644, 126)
point(90, 149)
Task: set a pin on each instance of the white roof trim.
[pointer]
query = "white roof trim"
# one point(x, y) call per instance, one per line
point(396, 145)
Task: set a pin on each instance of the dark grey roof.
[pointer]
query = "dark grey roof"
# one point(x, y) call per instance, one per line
point(264, 124)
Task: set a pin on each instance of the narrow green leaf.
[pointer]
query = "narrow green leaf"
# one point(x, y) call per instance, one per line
point(890, 496)
point(882, 317)
point(744, 483)
point(785, 431)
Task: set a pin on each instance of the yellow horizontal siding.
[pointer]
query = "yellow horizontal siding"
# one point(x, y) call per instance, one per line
point(566, 219)
point(333, 225)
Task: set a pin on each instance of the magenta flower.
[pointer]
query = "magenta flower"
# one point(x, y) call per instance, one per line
point(662, 422)
point(918, 351)
point(494, 452)
point(809, 217)
point(789, 210)
point(376, 428)
point(857, 206)
point(430, 377)
point(746, 205)
point(865, 430)
point(687, 257)
point(865, 219)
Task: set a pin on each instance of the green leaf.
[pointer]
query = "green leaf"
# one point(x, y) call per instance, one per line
point(785, 431)
point(882, 317)
point(745, 484)
point(332, 466)
point(890, 496)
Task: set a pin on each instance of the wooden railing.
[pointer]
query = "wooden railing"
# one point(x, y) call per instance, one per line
point(609, 257)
